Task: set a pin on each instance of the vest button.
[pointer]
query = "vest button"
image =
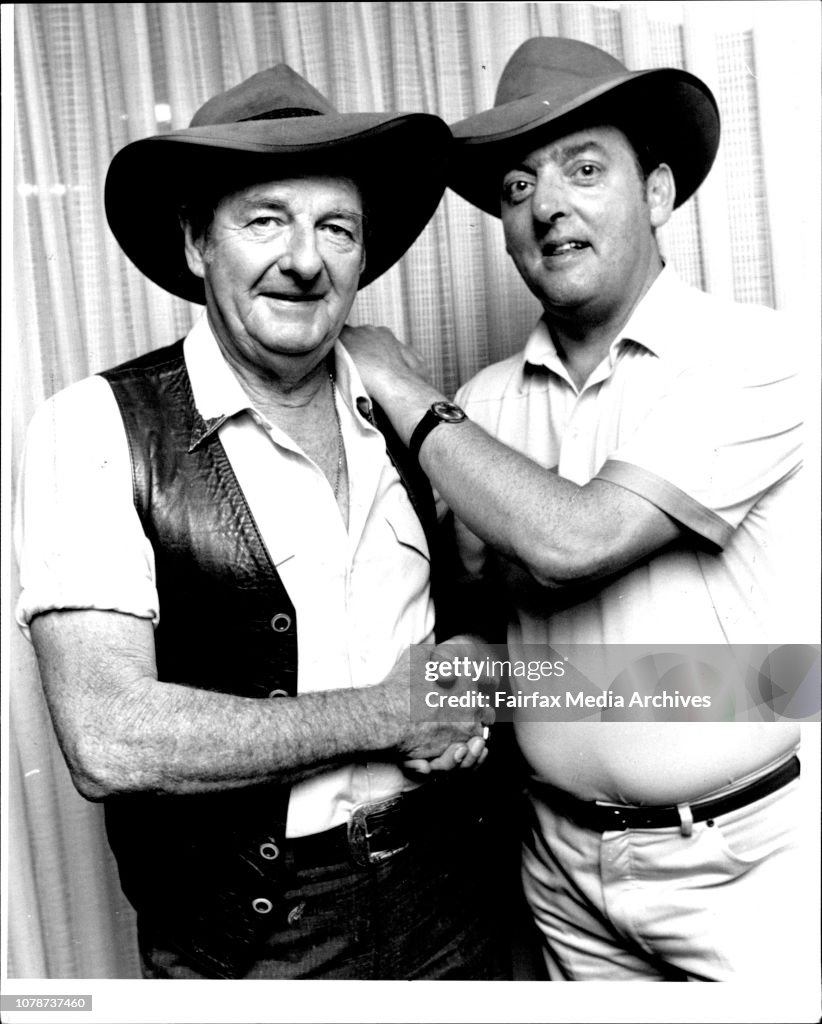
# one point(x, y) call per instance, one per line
point(269, 851)
point(281, 622)
point(262, 905)
point(278, 693)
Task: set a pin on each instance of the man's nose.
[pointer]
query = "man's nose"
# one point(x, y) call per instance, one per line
point(550, 197)
point(301, 257)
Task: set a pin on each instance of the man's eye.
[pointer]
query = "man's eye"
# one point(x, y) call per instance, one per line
point(586, 172)
point(339, 231)
point(517, 189)
point(263, 222)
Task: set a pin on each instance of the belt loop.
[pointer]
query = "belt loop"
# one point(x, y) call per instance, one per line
point(686, 819)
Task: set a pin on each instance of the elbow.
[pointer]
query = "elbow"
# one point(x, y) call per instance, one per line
point(559, 564)
point(95, 771)
point(89, 787)
point(107, 752)
point(90, 779)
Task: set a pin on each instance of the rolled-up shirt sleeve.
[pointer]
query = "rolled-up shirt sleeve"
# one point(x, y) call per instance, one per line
point(79, 541)
point(713, 445)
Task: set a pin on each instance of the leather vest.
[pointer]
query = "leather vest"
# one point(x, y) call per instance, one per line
point(199, 869)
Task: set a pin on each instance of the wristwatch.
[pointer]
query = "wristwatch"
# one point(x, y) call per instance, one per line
point(440, 412)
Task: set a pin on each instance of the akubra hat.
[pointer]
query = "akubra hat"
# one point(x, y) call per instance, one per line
point(551, 87)
point(275, 125)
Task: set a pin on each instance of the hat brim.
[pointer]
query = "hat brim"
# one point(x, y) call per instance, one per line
point(671, 109)
point(399, 162)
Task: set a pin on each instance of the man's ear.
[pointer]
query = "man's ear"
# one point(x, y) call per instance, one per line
point(194, 248)
point(660, 193)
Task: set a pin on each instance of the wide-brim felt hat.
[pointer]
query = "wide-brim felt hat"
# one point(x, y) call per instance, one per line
point(551, 87)
point(272, 126)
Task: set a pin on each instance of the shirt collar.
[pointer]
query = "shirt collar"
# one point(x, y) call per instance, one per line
point(654, 324)
point(219, 395)
point(651, 326)
point(349, 383)
point(217, 392)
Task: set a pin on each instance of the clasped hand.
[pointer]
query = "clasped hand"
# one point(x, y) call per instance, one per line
point(463, 742)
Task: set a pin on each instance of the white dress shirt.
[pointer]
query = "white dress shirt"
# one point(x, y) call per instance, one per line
point(361, 595)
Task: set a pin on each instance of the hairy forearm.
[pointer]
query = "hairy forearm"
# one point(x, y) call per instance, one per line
point(564, 534)
point(122, 730)
point(177, 739)
point(505, 498)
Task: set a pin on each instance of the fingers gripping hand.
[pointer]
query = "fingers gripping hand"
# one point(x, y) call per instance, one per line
point(471, 752)
point(440, 742)
point(457, 755)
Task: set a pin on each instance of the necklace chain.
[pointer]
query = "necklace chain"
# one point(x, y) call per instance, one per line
point(340, 445)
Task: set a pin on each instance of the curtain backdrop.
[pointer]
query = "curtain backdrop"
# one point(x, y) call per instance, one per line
point(91, 77)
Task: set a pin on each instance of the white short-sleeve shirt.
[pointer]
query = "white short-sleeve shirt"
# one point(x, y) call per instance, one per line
point(361, 595)
point(697, 407)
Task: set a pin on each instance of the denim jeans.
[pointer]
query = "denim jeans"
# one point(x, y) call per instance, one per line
point(428, 912)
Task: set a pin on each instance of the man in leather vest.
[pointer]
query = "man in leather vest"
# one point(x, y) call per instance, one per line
point(224, 568)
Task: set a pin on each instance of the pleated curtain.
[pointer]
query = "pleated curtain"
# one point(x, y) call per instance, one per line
point(88, 78)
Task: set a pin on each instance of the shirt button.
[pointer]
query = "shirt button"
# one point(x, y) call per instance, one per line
point(278, 693)
point(262, 905)
point(281, 622)
point(269, 851)
point(296, 913)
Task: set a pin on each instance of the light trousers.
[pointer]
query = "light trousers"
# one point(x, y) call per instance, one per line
point(724, 903)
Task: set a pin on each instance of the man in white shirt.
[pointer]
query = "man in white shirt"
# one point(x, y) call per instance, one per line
point(223, 569)
point(631, 478)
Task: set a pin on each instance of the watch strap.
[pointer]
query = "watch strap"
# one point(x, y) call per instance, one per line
point(422, 430)
point(440, 412)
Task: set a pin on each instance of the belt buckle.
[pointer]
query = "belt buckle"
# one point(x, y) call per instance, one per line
point(359, 836)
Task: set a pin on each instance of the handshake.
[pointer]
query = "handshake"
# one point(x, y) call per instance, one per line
point(441, 744)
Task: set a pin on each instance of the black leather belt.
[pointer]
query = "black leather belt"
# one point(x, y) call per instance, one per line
point(379, 830)
point(602, 817)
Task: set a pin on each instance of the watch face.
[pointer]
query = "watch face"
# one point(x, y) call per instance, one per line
point(448, 411)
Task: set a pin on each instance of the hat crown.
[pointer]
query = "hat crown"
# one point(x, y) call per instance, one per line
point(552, 86)
point(275, 92)
point(274, 126)
point(548, 64)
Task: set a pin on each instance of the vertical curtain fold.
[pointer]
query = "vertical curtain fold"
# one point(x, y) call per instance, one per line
point(786, 52)
point(92, 77)
point(700, 52)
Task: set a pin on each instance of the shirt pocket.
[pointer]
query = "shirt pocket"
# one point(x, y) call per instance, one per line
point(395, 574)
